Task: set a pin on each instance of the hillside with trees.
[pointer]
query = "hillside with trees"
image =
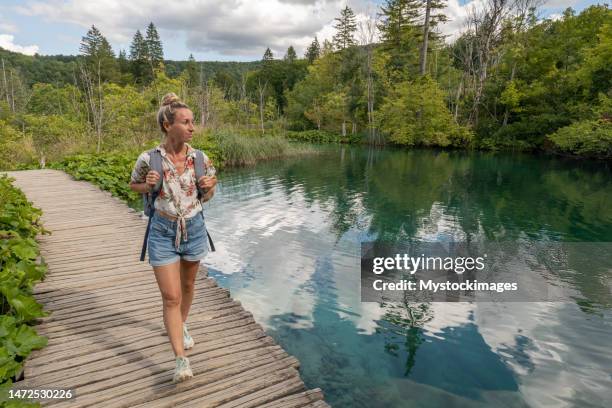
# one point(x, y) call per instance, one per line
point(508, 81)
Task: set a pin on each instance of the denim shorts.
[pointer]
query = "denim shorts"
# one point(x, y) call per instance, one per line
point(161, 246)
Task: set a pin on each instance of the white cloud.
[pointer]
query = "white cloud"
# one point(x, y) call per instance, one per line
point(561, 3)
point(7, 42)
point(7, 27)
point(231, 27)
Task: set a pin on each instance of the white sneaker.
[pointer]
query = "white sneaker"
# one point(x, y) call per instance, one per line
point(182, 371)
point(187, 339)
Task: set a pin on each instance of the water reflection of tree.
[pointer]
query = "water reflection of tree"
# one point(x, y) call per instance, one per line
point(403, 326)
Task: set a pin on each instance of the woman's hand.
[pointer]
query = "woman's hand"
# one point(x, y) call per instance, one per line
point(207, 182)
point(152, 179)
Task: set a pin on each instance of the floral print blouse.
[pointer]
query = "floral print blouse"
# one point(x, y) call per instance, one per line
point(179, 194)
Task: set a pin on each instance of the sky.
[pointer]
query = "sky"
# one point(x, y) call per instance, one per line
point(228, 30)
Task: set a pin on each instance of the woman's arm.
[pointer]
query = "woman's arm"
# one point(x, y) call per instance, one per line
point(141, 188)
point(208, 195)
point(208, 184)
point(151, 180)
point(143, 179)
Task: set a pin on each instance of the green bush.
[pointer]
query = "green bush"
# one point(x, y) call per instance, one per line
point(110, 171)
point(204, 140)
point(15, 148)
point(527, 134)
point(415, 114)
point(55, 136)
point(19, 270)
point(591, 138)
point(322, 136)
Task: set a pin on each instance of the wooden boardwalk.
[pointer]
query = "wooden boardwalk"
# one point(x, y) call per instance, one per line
point(106, 335)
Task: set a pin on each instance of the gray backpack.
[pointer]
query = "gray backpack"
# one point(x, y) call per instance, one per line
point(148, 199)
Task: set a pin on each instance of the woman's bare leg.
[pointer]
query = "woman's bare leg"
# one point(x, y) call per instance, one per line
point(169, 282)
point(189, 270)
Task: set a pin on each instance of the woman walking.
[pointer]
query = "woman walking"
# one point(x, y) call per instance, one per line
point(177, 240)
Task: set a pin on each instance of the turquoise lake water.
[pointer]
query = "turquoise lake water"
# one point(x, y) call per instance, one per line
point(288, 237)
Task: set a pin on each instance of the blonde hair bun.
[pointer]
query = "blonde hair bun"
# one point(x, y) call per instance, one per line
point(170, 104)
point(169, 99)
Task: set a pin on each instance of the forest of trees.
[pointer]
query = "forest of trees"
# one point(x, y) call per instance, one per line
point(509, 81)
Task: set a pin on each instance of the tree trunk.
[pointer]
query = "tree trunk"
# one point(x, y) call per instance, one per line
point(423, 62)
point(457, 98)
point(370, 86)
point(494, 12)
point(5, 83)
point(261, 114)
point(507, 112)
point(262, 92)
point(100, 96)
point(12, 93)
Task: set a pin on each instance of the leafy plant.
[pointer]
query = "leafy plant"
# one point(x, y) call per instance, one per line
point(322, 136)
point(586, 138)
point(111, 172)
point(19, 270)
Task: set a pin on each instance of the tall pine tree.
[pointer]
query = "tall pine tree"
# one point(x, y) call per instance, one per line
point(345, 29)
point(124, 68)
point(268, 55)
point(399, 23)
point(99, 55)
point(327, 48)
point(139, 59)
point(124, 65)
point(291, 55)
point(154, 47)
point(192, 71)
point(313, 51)
point(401, 31)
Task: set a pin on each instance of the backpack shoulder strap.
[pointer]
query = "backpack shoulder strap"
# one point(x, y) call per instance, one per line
point(155, 163)
point(199, 164)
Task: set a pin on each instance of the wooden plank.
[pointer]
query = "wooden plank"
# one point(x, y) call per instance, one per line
point(132, 387)
point(213, 394)
point(103, 342)
point(61, 293)
point(130, 309)
point(73, 309)
point(93, 371)
point(117, 319)
point(68, 239)
point(70, 251)
point(202, 283)
point(295, 400)
point(318, 404)
point(267, 394)
point(234, 390)
point(124, 345)
point(134, 330)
